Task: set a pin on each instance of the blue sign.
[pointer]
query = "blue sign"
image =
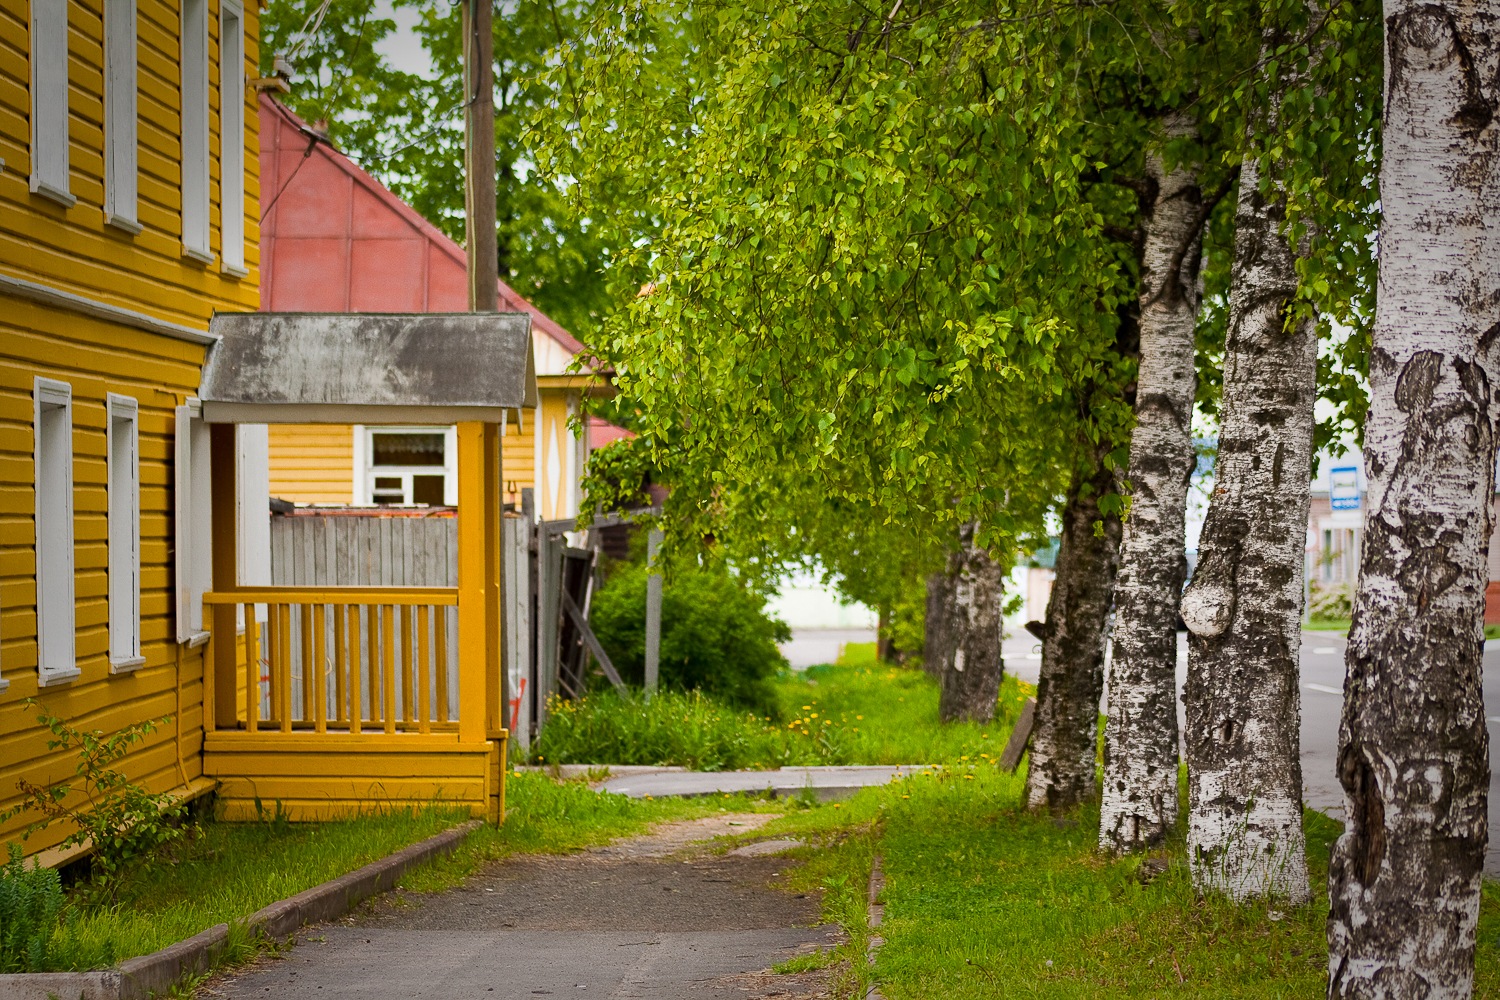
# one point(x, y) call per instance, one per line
point(1343, 488)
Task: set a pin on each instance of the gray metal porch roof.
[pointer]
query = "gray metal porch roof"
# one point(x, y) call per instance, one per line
point(359, 368)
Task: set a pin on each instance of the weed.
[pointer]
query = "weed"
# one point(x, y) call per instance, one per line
point(120, 819)
point(30, 899)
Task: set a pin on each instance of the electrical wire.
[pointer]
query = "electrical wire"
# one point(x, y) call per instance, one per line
point(309, 29)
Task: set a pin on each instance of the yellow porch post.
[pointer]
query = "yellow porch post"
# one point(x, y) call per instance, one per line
point(223, 501)
point(478, 581)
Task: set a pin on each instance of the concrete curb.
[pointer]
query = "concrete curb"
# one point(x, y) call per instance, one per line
point(138, 978)
point(875, 917)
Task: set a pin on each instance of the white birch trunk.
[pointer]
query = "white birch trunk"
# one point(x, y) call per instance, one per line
point(1064, 737)
point(1139, 803)
point(1243, 609)
point(973, 667)
point(1404, 878)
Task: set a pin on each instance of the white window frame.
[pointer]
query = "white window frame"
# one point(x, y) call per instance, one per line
point(121, 133)
point(195, 137)
point(365, 469)
point(52, 403)
point(192, 522)
point(232, 138)
point(123, 470)
point(49, 101)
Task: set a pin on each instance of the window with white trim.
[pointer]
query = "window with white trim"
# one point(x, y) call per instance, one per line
point(195, 130)
point(122, 445)
point(52, 423)
point(120, 131)
point(409, 465)
point(192, 522)
point(49, 100)
point(232, 137)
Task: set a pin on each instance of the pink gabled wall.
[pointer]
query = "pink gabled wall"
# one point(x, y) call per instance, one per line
point(334, 239)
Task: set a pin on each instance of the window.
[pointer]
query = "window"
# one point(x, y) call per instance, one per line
point(416, 465)
point(52, 423)
point(192, 523)
point(195, 130)
point(120, 115)
point(232, 137)
point(49, 100)
point(122, 443)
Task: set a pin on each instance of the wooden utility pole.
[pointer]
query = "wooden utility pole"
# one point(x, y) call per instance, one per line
point(479, 158)
point(653, 611)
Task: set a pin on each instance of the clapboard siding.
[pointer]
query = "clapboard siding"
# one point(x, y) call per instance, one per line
point(72, 248)
point(312, 463)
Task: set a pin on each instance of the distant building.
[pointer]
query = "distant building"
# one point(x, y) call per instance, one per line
point(334, 239)
point(1335, 528)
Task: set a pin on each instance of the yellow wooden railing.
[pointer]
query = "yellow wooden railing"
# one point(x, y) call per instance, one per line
point(345, 659)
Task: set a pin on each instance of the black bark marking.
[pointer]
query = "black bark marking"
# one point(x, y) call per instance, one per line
point(1367, 819)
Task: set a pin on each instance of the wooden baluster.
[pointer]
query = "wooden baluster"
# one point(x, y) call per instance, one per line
point(320, 668)
point(406, 666)
point(442, 664)
point(252, 671)
point(340, 664)
point(304, 616)
point(282, 670)
point(424, 670)
point(273, 649)
point(389, 639)
point(356, 670)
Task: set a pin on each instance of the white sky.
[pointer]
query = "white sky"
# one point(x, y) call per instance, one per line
point(402, 47)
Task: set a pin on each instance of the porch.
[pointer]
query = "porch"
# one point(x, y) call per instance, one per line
point(330, 700)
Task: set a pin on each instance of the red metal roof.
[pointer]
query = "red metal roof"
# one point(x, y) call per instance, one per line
point(334, 239)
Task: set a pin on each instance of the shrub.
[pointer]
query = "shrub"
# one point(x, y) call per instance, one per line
point(30, 899)
point(716, 636)
point(681, 729)
point(1330, 601)
point(122, 820)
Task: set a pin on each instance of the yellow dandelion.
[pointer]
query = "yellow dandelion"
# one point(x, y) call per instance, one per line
point(906, 796)
point(968, 777)
point(813, 715)
point(806, 707)
point(860, 717)
point(984, 736)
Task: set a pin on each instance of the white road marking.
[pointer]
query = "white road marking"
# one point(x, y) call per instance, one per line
point(1494, 718)
point(1324, 650)
point(1324, 688)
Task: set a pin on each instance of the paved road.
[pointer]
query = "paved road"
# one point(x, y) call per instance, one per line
point(638, 919)
point(1322, 702)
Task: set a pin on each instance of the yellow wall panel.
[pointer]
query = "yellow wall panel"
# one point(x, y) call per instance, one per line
point(312, 463)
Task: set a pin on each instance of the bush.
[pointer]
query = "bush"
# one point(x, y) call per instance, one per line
point(122, 820)
point(30, 899)
point(716, 636)
point(1330, 601)
point(676, 729)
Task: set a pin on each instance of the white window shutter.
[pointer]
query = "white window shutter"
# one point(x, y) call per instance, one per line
point(182, 524)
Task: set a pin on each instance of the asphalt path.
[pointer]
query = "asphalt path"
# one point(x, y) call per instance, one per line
point(1322, 703)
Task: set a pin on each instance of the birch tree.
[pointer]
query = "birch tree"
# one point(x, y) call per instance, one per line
point(1243, 609)
point(1139, 804)
point(1404, 878)
point(972, 665)
point(1064, 739)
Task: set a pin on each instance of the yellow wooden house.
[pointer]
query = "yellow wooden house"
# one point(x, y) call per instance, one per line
point(129, 220)
point(128, 215)
point(334, 239)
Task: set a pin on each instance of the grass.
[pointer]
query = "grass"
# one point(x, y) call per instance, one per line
point(853, 712)
point(223, 874)
point(984, 898)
